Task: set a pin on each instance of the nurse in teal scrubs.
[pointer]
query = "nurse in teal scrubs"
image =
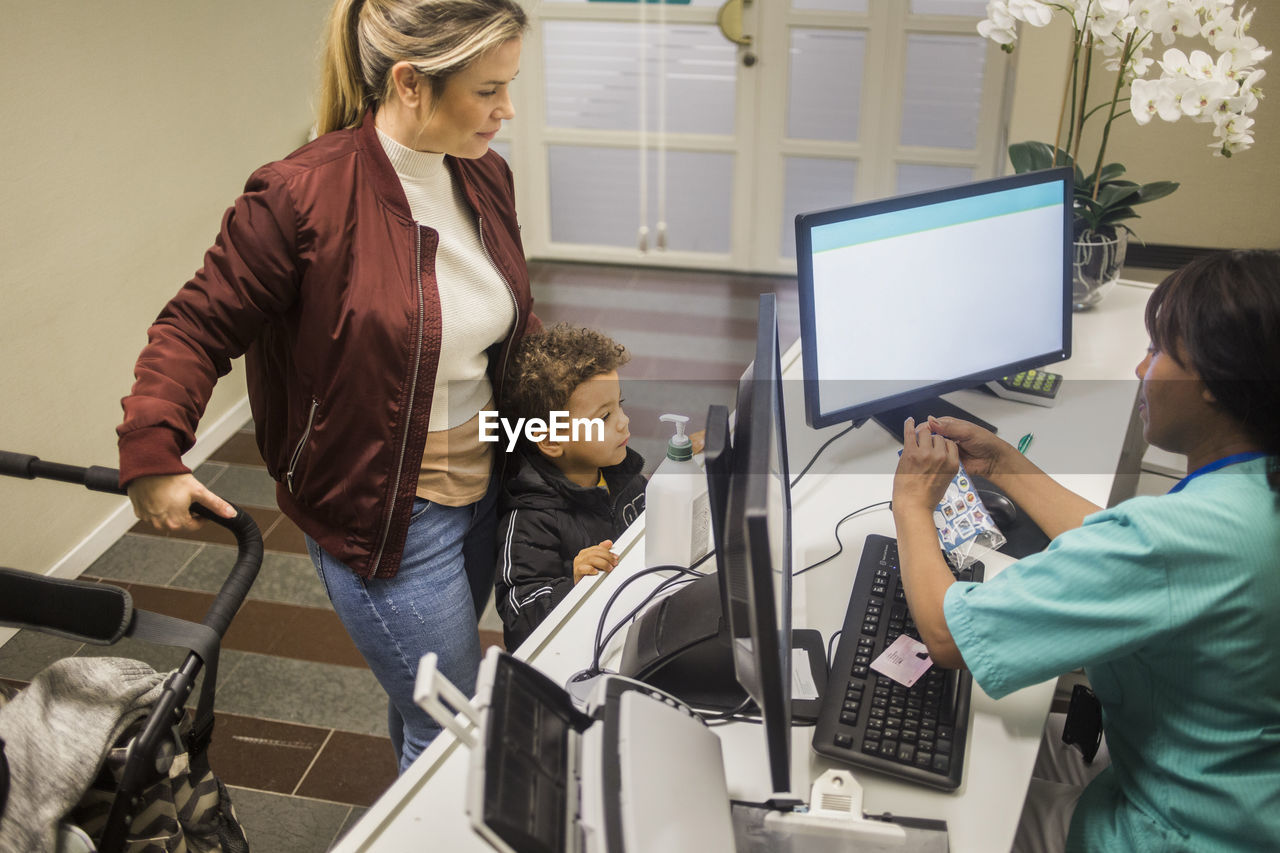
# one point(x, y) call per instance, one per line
point(1171, 603)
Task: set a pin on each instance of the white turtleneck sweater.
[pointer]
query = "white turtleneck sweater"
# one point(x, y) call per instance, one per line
point(477, 310)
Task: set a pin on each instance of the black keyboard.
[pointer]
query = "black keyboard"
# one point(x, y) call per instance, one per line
point(870, 720)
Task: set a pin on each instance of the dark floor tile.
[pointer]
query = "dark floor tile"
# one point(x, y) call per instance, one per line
point(181, 603)
point(285, 537)
point(261, 627)
point(28, 652)
point(315, 634)
point(491, 638)
point(312, 694)
point(274, 823)
point(240, 449)
point(263, 754)
point(146, 559)
point(351, 768)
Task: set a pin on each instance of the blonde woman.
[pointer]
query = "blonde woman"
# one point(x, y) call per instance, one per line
point(375, 282)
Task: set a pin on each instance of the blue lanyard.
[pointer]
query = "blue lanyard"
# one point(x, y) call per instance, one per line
point(1233, 459)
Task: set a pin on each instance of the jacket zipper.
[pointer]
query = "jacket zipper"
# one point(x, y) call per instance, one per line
point(413, 391)
point(297, 451)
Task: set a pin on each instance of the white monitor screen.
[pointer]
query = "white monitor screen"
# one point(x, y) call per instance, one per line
point(906, 298)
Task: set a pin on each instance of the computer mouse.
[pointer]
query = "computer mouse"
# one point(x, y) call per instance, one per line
point(1002, 510)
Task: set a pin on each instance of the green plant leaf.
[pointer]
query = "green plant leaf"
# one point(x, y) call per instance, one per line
point(1114, 195)
point(1110, 172)
point(1032, 156)
point(1155, 190)
point(1117, 214)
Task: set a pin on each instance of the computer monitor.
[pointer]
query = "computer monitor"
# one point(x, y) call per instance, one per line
point(907, 298)
point(722, 635)
point(756, 559)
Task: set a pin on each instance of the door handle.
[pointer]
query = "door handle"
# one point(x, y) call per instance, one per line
point(729, 20)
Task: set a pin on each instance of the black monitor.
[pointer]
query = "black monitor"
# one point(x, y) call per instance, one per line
point(731, 632)
point(907, 298)
point(756, 558)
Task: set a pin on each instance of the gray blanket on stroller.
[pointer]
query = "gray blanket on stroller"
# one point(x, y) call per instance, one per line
point(56, 734)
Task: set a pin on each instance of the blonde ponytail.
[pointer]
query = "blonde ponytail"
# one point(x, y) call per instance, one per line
point(342, 101)
point(439, 37)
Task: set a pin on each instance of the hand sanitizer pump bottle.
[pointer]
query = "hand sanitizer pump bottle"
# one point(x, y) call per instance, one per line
point(677, 511)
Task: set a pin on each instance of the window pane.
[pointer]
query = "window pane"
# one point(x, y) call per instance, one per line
point(593, 76)
point(943, 90)
point(914, 178)
point(595, 197)
point(825, 87)
point(967, 8)
point(831, 5)
point(503, 148)
point(813, 183)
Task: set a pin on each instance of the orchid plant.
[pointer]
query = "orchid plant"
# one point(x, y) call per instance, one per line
point(1221, 90)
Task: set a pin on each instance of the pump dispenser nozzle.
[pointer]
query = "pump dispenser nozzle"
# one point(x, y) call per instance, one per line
point(679, 447)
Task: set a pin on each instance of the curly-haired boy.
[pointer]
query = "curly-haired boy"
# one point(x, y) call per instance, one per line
point(569, 500)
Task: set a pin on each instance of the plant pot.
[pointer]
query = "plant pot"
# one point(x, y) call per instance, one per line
point(1095, 266)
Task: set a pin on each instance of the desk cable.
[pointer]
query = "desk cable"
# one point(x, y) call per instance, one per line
point(602, 640)
point(840, 550)
point(828, 443)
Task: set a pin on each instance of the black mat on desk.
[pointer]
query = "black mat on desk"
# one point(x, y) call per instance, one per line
point(1023, 537)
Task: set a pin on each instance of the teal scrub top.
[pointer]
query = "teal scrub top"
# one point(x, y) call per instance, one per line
point(1172, 606)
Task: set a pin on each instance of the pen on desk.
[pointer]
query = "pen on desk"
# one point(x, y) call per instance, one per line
point(1024, 442)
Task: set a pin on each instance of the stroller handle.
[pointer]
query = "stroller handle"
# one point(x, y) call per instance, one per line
point(99, 479)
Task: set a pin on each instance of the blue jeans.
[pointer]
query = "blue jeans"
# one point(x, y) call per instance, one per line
point(426, 607)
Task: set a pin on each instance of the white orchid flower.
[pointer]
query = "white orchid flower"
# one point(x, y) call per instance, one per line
point(999, 25)
point(1175, 63)
point(1200, 65)
point(1218, 23)
point(1185, 21)
point(1153, 15)
point(1217, 85)
point(1142, 100)
point(1233, 132)
point(1034, 12)
point(1204, 96)
point(1245, 51)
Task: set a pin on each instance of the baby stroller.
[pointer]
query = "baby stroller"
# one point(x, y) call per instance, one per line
point(151, 789)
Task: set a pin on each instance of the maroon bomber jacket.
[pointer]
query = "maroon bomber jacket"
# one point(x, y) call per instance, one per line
point(323, 281)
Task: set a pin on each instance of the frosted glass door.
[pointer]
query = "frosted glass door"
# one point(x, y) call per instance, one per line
point(638, 116)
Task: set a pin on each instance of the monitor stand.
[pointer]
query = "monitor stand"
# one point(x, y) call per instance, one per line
point(893, 419)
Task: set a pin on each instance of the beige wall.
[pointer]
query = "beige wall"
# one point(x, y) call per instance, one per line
point(1222, 203)
point(129, 126)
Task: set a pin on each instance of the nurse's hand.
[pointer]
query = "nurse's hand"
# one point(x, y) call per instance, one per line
point(165, 501)
point(981, 452)
point(925, 469)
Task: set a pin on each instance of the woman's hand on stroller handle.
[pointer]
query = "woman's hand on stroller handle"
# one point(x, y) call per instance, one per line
point(165, 501)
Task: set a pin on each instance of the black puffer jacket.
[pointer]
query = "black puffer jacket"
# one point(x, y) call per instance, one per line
point(545, 520)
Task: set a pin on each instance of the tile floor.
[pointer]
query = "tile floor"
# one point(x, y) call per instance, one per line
point(301, 733)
